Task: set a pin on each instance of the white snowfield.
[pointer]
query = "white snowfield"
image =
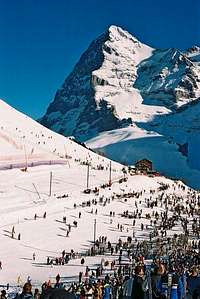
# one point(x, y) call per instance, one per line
point(133, 143)
point(23, 139)
point(26, 193)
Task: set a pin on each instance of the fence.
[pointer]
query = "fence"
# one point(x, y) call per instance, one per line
point(32, 164)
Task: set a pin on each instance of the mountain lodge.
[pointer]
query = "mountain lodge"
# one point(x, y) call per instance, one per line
point(144, 165)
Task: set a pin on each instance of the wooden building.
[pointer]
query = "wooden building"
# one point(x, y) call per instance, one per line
point(144, 165)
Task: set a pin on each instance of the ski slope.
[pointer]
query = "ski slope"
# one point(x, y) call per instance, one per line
point(22, 138)
point(26, 193)
point(19, 203)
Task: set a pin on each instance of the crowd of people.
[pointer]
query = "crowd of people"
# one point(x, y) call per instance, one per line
point(164, 264)
point(132, 274)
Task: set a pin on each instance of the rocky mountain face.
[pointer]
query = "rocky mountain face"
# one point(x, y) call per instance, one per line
point(170, 77)
point(106, 68)
point(122, 90)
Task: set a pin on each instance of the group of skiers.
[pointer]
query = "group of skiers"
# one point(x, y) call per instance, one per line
point(13, 234)
point(148, 281)
point(173, 272)
point(162, 282)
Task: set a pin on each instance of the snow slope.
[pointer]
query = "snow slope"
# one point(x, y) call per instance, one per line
point(47, 237)
point(132, 144)
point(22, 138)
point(24, 194)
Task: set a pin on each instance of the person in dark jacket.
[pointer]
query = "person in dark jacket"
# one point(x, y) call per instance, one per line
point(26, 293)
point(3, 294)
point(36, 294)
point(156, 282)
point(53, 293)
point(138, 290)
point(176, 288)
point(193, 284)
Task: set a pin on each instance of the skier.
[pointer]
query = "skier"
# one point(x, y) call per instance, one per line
point(3, 294)
point(172, 285)
point(80, 277)
point(13, 230)
point(36, 294)
point(19, 280)
point(63, 253)
point(193, 283)
point(57, 285)
point(75, 223)
point(106, 291)
point(28, 279)
point(26, 293)
point(139, 287)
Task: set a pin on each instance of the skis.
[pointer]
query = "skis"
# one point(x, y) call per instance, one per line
point(184, 284)
point(148, 274)
point(169, 285)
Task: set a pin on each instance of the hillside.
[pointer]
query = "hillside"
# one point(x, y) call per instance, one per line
point(26, 196)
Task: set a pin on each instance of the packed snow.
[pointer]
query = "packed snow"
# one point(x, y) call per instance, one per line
point(33, 210)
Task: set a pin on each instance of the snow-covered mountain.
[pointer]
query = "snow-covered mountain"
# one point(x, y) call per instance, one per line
point(123, 92)
point(83, 105)
point(169, 77)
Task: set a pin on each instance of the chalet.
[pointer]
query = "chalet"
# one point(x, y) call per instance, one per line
point(132, 170)
point(144, 165)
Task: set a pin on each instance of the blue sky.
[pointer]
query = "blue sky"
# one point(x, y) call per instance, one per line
point(41, 40)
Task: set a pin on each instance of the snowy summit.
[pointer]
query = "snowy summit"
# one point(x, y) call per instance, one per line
point(126, 97)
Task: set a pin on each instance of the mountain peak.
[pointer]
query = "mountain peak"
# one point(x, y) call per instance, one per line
point(82, 105)
point(123, 86)
point(118, 32)
point(193, 49)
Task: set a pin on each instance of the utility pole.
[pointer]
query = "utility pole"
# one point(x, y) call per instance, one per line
point(50, 183)
point(88, 174)
point(36, 191)
point(124, 173)
point(26, 158)
point(110, 174)
point(95, 228)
